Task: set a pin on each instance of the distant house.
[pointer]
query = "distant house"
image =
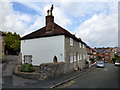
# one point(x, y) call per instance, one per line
point(108, 54)
point(52, 43)
point(116, 50)
point(2, 46)
point(89, 52)
point(94, 53)
point(104, 54)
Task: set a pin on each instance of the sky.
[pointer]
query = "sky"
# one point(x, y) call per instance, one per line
point(94, 21)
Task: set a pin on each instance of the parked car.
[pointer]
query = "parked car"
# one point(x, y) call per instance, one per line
point(117, 63)
point(100, 64)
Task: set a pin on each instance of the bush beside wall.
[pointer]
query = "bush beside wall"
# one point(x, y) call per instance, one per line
point(42, 72)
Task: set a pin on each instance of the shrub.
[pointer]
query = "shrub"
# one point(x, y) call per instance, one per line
point(116, 58)
point(92, 60)
point(113, 59)
point(27, 68)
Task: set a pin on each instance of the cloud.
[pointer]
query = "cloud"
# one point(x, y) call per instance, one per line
point(81, 9)
point(37, 7)
point(59, 13)
point(61, 18)
point(98, 26)
point(15, 21)
point(60, 0)
point(100, 30)
point(23, 23)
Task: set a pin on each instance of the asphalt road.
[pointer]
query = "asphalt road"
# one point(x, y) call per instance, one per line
point(99, 78)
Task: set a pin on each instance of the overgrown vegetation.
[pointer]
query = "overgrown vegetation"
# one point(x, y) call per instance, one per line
point(27, 68)
point(12, 43)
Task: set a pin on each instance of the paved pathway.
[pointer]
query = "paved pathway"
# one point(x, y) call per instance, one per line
point(10, 80)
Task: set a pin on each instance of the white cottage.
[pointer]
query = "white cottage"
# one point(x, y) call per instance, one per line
point(53, 42)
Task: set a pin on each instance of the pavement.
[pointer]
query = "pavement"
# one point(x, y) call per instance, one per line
point(8, 79)
point(13, 81)
point(54, 82)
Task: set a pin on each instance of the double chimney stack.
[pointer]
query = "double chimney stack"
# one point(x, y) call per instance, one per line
point(50, 20)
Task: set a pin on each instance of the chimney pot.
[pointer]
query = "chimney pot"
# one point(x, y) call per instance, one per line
point(49, 20)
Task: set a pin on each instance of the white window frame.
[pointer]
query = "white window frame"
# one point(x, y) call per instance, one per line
point(75, 58)
point(94, 53)
point(80, 57)
point(28, 59)
point(71, 42)
point(80, 44)
point(83, 45)
point(71, 58)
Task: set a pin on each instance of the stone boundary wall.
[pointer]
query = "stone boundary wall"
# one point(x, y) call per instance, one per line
point(42, 72)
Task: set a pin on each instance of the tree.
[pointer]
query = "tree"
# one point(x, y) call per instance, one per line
point(12, 41)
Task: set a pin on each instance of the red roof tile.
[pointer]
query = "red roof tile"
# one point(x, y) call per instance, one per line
point(58, 30)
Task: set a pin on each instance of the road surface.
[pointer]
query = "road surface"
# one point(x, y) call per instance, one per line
point(99, 78)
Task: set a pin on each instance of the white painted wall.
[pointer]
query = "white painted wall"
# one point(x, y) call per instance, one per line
point(44, 49)
point(0, 47)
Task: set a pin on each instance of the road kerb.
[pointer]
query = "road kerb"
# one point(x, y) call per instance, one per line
point(56, 85)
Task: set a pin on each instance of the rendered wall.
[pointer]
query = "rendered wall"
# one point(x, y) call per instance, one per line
point(0, 47)
point(43, 49)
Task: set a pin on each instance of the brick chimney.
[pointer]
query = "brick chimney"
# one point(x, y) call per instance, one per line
point(50, 20)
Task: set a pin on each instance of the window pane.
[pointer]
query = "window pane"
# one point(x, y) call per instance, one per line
point(28, 59)
point(71, 41)
point(71, 58)
point(83, 46)
point(80, 45)
point(74, 56)
point(78, 57)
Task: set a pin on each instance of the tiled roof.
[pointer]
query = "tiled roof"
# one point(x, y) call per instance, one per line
point(51, 29)
point(94, 50)
point(58, 30)
point(100, 50)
